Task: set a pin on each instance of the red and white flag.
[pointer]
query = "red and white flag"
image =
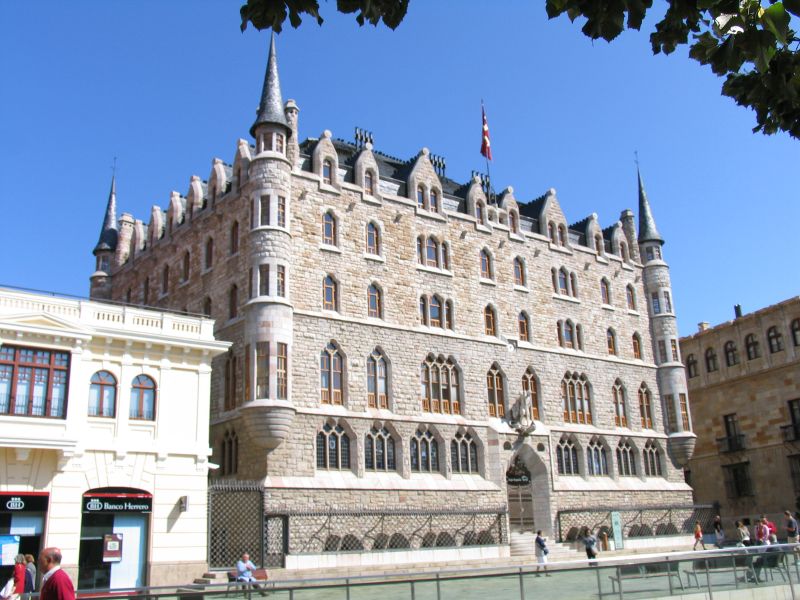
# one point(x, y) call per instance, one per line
point(486, 144)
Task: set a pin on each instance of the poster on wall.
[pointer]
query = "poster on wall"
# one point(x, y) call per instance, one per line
point(112, 547)
point(9, 548)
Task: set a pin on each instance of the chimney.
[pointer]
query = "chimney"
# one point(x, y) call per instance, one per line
point(737, 310)
point(702, 326)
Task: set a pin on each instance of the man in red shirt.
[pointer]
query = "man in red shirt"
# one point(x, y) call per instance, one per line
point(56, 584)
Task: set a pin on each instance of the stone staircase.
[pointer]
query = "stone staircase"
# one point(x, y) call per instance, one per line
point(524, 545)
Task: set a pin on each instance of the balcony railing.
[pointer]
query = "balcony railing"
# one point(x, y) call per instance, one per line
point(791, 432)
point(731, 443)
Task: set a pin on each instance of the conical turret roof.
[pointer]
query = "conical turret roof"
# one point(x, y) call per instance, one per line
point(108, 234)
point(647, 224)
point(270, 109)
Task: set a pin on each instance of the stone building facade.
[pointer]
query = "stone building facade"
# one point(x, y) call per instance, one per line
point(744, 378)
point(403, 341)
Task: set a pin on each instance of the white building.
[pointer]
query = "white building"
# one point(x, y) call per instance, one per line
point(104, 427)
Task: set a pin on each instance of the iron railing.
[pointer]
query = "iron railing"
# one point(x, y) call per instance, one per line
point(791, 432)
point(731, 443)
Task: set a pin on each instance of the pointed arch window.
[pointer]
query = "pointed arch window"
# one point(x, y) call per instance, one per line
point(379, 450)
point(463, 454)
point(519, 272)
point(487, 272)
point(102, 395)
point(775, 340)
point(448, 315)
point(439, 386)
point(513, 222)
point(630, 296)
point(637, 346)
point(233, 302)
point(573, 282)
point(711, 360)
point(691, 366)
point(605, 291)
point(626, 462)
point(186, 265)
point(751, 345)
point(234, 247)
point(618, 400)
point(424, 452)
point(434, 202)
point(551, 232)
point(165, 280)
point(373, 239)
point(330, 295)
point(495, 392)
point(523, 327)
point(796, 332)
point(651, 458)
point(731, 354)
point(374, 302)
point(575, 399)
point(369, 183)
point(530, 386)
point(209, 253)
point(596, 459)
point(421, 250)
point(327, 171)
point(329, 234)
point(562, 235)
point(489, 321)
point(333, 448)
point(435, 311)
point(563, 282)
point(432, 253)
point(646, 407)
point(331, 368)
point(230, 453)
point(143, 398)
point(423, 310)
point(611, 342)
point(377, 381)
point(420, 196)
point(567, 457)
point(480, 213)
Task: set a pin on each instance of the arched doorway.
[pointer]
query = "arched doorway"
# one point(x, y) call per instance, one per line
point(528, 488)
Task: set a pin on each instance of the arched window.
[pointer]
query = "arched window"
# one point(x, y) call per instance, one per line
point(625, 459)
point(186, 264)
point(796, 332)
point(563, 282)
point(519, 272)
point(233, 302)
point(611, 342)
point(102, 395)
point(424, 452)
point(230, 453)
point(234, 249)
point(551, 232)
point(630, 295)
point(596, 459)
point(432, 253)
point(691, 366)
point(523, 327)
point(495, 392)
point(379, 452)
point(575, 399)
point(373, 239)
point(165, 279)
point(369, 183)
point(209, 254)
point(436, 311)
point(579, 337)
point(445, 256)
point(489, 321)
point(439, 386)
point(531, 386)
point(463, 454)
point(562, 235)
point(448, 315)
point(598, 244)
point(637, 346)
point(618, 398)
point(333, 448)
point(605, 291)
point(480, 215)
point(327, 171)
point(569, 334)
point(513, 222)
point(646, 407)
point(421, 250)
point(331, 375)
point(711, 360)
point(486, 265)
point(143, 398)
point(330, 296)
point(731, 354)
point(329, 229)
point(652, 460)
point(775, 340)
point(573, 282)
point(434, 203)
point(377, 385)
point(423, 310)
point(567, 457)
point(374, 302)
point(751, 344)
point(207, 306)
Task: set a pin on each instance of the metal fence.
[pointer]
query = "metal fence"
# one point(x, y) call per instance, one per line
point(235, 523)
point(643, 522)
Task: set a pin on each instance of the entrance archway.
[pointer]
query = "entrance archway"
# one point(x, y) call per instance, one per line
point(528, 488)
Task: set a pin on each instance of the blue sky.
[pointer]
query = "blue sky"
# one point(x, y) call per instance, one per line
point(168, 86)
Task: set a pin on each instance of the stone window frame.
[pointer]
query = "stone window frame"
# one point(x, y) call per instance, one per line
point(208, 254)
point(332, 366)
point(605, 291)
point(524, 326)
point(626, 458)
point(369, 182)
point(330, 229)
point(646, 415)
point(691, 366)
point(496, 391)
point(164, 280)
point(233, 301)
point(599, 245)
point(229, 453)
point(186, 266)
point(486, 264)
point(375, 292)
point(576, 398)
point(630, 297)
point(464, 454)
point(330, 293)
point(373, 440)
point(731, 353)
point(611, 342)
point(619, 403)
point(101, 383)
point(651, 459)
point(563, 236)
point(513, 222)
point(711, 360)
point(597, 458)
point(795, 329)
point(531, 385)
point(570, 334)
point(491, 326)
point(774, 340)
point(328, 171)
point(448, 375)
point(567, 456)
point(336, 456)
point(373, 239)
point(378, 368)
point(144, 396)
point(752, 346)
point(636, 344)
point(421, 461)
point(520, 272)
point(233, 248)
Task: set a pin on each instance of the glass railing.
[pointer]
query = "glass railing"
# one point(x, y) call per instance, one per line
point(726, 571)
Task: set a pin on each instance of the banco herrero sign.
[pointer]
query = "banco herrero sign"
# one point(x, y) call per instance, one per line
point(117, 504)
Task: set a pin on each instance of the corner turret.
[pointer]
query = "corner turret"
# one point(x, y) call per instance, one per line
point(647, 224)
point(106, 248)
point(271, 128)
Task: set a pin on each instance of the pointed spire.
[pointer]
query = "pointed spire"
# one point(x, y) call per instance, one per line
point(270, 110)
point(647, 224)
point(108, 234)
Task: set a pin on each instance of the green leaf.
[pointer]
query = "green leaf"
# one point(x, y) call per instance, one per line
point(776, 19)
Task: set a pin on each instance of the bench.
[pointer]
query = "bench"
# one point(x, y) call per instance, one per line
point(632, 572)
point(261, 576)
point(721, 564)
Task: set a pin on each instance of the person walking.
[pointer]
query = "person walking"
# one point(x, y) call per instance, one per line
point(56, 584)
point(719, 533)
point(790, 526)
point(541, 554)
point(590, 543)
point(698, 536)
point(762, 532)
point(31, 566)
point(743, 534)
point(19, 575)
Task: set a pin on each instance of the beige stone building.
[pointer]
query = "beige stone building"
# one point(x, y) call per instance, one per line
point(104, 415)
point(744, 379)
point(405, 345)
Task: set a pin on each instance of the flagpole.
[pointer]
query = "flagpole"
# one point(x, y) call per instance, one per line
point(488, 171)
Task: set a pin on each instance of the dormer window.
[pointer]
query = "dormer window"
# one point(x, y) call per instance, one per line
point(434, 205)
point(278, 142)
point(513, 223)
point(420, 197)
point(369, 183)
point(562, 235)
point(327, 171)
point(479, 213)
